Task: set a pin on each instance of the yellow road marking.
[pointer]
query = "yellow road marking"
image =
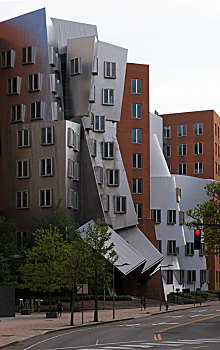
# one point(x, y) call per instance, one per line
point(157, 336)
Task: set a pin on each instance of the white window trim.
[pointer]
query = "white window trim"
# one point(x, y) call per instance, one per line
point(108, 103)
point(45, 205)
point(45, 166)
point(171, 217)
point(136, 182)
point(108, 156)
point(182, 130)
point(52, 136)
point(157, 215)
point(111, 75)
point(28, 169)
point(137, 206)
point(136, 115)
point(12, 59)
point(196, 145)
point(18, 86)
point(23, 109)
point(22, 199)
point(42, 109)
point(167, 132)
point(33, 55)
point(114, 183)
point(99, 118)
point(135, 157)
point(181, 165)
point(31, 77)
point(136, 141)
point(73, 70)
point(197, 129)
point(181, 149)
point(197, 169)
point(120, 209)
point(136, 86)
point(22, 143)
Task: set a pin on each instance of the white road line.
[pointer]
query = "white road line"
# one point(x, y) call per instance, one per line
point(162, 323)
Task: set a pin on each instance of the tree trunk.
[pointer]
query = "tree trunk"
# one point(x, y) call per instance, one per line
point(96, 297)
point(72, 305)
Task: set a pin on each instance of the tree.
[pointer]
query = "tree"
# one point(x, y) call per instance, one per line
point(102, 252)
point(207, 217)
point(42, 270)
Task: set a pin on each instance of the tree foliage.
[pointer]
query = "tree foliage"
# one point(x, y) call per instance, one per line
point(208, 213)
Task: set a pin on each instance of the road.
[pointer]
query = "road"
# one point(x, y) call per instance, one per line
point(184, 329)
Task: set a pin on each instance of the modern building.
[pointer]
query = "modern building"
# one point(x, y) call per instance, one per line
point(61, 97)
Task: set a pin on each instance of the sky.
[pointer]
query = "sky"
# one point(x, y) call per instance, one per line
point(178, 39)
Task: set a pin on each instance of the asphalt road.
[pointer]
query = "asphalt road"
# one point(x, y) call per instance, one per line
point(186, 329)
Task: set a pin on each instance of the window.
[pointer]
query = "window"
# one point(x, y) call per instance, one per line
point(202, 249)
point(113, 177)
point(216, 168)
point(171, 248)
point(110, 70)
point(156, 215)
point(203, 278)
point(178, 194)
point(95, 65)
point(24, 138)
point(198, 148)
point(181, 217)
point(216, 149)
point(198, 168)
point(189, 249)
point(137, 161)
point(99, 174)
point(181, 276)
point(14, 86)
point(34, 82)
point(22, 200)
point(73, 199)
point(136, 86)
point(136, 135)
point(191, 276)
point(28, 54)
point(92, 93)
point(105, 202)
point(167, 151)
point(47, 135)
point(77, 141)
point(71, 138)
point(21, 238)
point(215, 130)
point(46, 167)
point(108, 97)
point(136, 110)
point(139, 210)
point(17, 113)
point(182, 169)
point(182, 150)
point(171, 217)
point(37, 110)
point(159, 245)
point(137, 186)
point(181, 130)
point(22, 168)
point(8, 59)
point(76, 66)
point(120, 204)
point(92, 147)
point(99, 123)
point(73, 170)
point(167, 131)
point(198, 129)
point(169, 277)
point(46, 198)
point(108, 150)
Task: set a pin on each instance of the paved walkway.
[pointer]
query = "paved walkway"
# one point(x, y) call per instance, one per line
point(15, 329)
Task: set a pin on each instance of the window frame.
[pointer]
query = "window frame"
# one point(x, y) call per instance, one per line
point(137, 160)
point(156, 216)
point(196, 148)
point(28, 58)
point(44, 191)
point(15, 113)
point(113, 177)
point(110, 97)
point(108, 153)
point(22, 132)
point(171, 217)
point(120, 204)
point(182, 168)
point(45, 167)
point(14, 86)
point(167, 153)
point(171, 247)
point(99, 123)
point(189, 249)
point(196, 129)
point(139, 210)
point(182, 149)
point(22, 175)
point(198, 168)
point(35, 82)
point(8, 62)
point(137, 185)
point(22, 200)
point(75, 66)
point(136, 86)
point(111, 67)
point(136, 110)
point(39, 108)
point(191, 276)
point(181, 130)
point(46, 143)
point(167, 132)
point(137, 136)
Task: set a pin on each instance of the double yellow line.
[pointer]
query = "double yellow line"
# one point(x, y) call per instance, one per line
point(157, 336)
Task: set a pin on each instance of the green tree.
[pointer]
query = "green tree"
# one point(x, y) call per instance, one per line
point(101, 253)
point(42, 269)
point(207, 216)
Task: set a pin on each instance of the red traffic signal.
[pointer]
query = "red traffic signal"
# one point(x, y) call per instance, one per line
point(197, 239)
point(197, 232)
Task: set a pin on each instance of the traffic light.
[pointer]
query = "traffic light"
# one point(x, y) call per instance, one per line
point(197, 239)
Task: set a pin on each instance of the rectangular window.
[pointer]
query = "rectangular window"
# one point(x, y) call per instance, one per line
point(136, 110)
point(34, 82)
point(198, 129)
point(108, 150)
point(171, 247)
point(37, 110)
point(120, 204)
point(198, 167)
point(182, 169)
point(181, 130)
point(171, 217)
point(92, 147)
point(136, 86)
point(46, 167)
point(181, 217)
point(216, 168)
point(76, 66)
point(71, 138)
point(99, 123)
point(159, 245)
point(156, 215)
point(137, 161)
point(7, 59)
point(169, 277)
point(110, 70)
point(167, 131)
point(181, 276)
point(108, 97)
point(203, 278)
point(28, 54)
point(14, 86)
point(99, 174)
point(216, 149)
point(182, 149)
point(105, 202)
point(77, 141)
point(47, 136)
point(189, 249)
point(73, 170)
point(139, 210)
point(191, 276)
point(18, 113)
point(73, 199)
point(24, 138)
point(136, 135)
point(178, 194)
point(113, 177)
point(215, 130)
point(46, 198)
point(137, 186)
point(167, 151)
point(198, 148)
point(21, 237)
point(23, 167)
point(95, 65)
point(22, 200)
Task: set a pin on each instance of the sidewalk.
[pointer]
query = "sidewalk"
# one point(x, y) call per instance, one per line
point(18, 328)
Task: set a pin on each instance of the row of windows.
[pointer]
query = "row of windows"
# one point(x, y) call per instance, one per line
point(217, 169)
point(171, 216)
point(182, 130)
point(190, 276)
point(119, 203)
point(172, 249)
point(34, 84)
point(198, 168)
point(23, 199)
point(36, 111)
point(108, 152)
point(182, 149)
point(8, 57)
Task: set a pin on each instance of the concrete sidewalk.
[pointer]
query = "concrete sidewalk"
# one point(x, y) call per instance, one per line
point(18, 328)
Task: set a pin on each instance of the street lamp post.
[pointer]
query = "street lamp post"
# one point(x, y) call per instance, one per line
point(161, 283)
point(113, 285)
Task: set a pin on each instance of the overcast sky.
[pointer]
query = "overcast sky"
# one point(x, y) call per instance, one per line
point(179, 39)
